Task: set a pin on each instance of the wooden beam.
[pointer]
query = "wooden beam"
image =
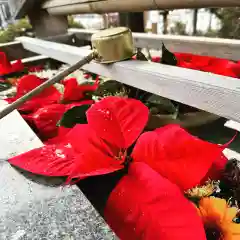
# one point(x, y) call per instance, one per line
point(102, 6)
point(233, 125)
point(14, 50)
point(213, 93)
point(45, 24)
point(222, 48)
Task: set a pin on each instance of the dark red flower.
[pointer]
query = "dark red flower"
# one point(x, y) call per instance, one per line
point(177, 155)
point(146, 206)
point(46, 118)
point(27, 83)
point(94, 151)
point(75, 92)
point(208, 64)
point(6, 67)
point(156, 59)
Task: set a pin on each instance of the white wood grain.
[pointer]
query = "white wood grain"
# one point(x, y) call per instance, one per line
point(57, 3)
point(210, 92)
point(222, 48)
point(233, 125)
point(99, 6)
point(231, 154)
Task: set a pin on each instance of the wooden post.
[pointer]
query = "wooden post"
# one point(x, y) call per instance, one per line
point(46, 25)
point(133, 20)
point(165, 22)
point(195, 16)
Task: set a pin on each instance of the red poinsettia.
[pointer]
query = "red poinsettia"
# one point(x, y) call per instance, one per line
point(75, 92)
point(208, 64)
point(146, 206)
point(175, 154)
point(98, 147)
point(27, 83)
point(113, 125)
point(45, 119)
point(6, 67)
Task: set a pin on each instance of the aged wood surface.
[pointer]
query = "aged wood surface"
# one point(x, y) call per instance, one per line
point(223, 48)
point(99, 6)
point(14, 50)
point(233, 125)
point(210, 92)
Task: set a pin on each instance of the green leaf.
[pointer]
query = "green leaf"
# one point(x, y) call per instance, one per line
point(168, 57)
point(109, 87)
point(75, 115)
point(161, 103)
point(140, 56)
point(5, 86)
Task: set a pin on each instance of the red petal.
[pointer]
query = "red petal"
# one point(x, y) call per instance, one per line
point(79, 155)
point(177, 155)
point(46, 119)
point(146, 206)
point(75, 92)
point(27, 83)
point(61, 134)
point(97, 157)
point(216, 170)
point(118, 120)
point(5, 65)
point(49, 160)
point(156, 59)
point(72, 91)
point(17, 66)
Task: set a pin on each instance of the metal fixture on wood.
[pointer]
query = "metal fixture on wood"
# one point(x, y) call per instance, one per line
point(110, 45)
point(222, 48)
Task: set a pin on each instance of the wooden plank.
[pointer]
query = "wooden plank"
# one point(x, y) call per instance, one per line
point(99, 6)
point(231, 154)
point(222, 48)
point(57, 3)
point(233, 125)
point(14, 50)
point(35, 60)
point(210, 92)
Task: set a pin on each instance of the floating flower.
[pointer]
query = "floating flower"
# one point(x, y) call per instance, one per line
point(96, 148)
point(177, 155)
point(27, 83)
point(7, 68)
point(146, 206)
point(218, 219)
point(75, 92)
point(45, 119)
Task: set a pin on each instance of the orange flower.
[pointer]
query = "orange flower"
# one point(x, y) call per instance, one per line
point(218, 218)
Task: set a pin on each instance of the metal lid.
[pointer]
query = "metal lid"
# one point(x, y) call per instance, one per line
point(110, 32)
